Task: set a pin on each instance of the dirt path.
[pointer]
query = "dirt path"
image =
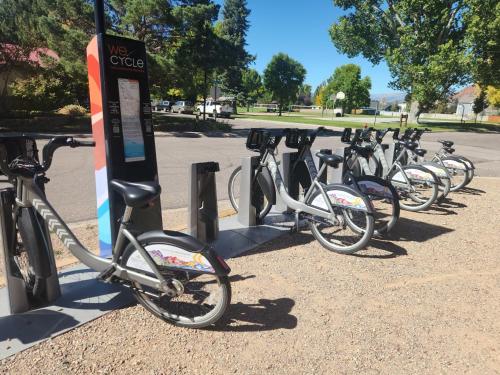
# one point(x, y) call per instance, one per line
point(427, 302)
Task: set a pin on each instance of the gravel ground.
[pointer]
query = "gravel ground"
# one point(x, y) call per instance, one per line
point(427, 302)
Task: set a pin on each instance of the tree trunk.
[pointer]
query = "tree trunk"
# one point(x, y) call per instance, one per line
point(248, 106)
point(204, 94)
point(413, 113)
point(279, 109)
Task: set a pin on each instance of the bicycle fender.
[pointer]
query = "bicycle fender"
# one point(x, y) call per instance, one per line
point(343, 196)
point(415, 173)
point(176, 250)
point(369, 186)
point(266, 184)
point(31, 228)
point(455, 163)
point(437, 169)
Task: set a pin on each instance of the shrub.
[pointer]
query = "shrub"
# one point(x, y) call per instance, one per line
point(72, 110)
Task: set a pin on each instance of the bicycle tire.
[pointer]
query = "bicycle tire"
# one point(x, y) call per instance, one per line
point(154, 307)
point(25, 258)
point(424, 204)
point(234, 200)
point(343, 213)
point(458, 170)
point(384, 191)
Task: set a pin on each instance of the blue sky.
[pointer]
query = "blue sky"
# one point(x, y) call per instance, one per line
point(300, 29)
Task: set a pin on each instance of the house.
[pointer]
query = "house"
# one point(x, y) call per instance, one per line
point(465, 101)
point(16, 62)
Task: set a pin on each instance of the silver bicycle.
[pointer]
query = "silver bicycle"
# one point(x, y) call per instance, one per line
point(340, 217)
point(174, 276)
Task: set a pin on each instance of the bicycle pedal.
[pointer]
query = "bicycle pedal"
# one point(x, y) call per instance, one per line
point(106, 276)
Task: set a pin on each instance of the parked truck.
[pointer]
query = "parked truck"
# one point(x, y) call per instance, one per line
point(220, 109)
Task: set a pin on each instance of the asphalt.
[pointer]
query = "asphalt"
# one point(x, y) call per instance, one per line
point(72, 189)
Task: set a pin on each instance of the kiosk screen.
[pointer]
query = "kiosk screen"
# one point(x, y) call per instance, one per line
point(130, 108)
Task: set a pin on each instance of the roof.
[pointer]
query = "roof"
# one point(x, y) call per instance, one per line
point(466, 95)
point(35, 56)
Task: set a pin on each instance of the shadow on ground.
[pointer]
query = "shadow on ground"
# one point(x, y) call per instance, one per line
point(266, 315)
point(415, 231)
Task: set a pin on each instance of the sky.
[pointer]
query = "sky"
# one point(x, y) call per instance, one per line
point(299, 28)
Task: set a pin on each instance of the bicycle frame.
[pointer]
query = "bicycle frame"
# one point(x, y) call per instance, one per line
point(269, 161)
point(30, 195)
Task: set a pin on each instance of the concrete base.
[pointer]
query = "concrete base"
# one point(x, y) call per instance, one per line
point(85, 299)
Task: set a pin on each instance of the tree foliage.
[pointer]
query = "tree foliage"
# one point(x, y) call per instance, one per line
point(283, 77)
point(347, 78)
point(251, 87)
point(493, 96)
point(184, 50)
point(430, 46)
point(233, 28)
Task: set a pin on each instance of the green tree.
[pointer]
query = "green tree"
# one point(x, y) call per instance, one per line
point(283, 77)
point(347, 78)
point(482, 38)
point(233, 28)
point(251, 87)
point(423, 42)
point(480, 103)
point(199, 51)
point(304, 97)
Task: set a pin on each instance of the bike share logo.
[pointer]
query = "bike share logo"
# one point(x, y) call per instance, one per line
point(120, 58)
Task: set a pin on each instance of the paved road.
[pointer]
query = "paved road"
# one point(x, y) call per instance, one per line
point(72, 191)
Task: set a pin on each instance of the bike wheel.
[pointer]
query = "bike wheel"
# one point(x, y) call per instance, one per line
point(203, 301)
point(458, 171)
point(385, 201)
point(422, 191)
point(233, 188)
point(351, 231)
point(24, 259)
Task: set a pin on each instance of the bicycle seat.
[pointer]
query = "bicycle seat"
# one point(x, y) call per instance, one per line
point(330, 160)
point(446, 143)
point(136, 194)
point(420, 151)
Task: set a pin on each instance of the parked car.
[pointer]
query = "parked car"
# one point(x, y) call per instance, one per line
point(369, 111)
point(162, 106)
point(182, 106)
point(221, 109)
point(338, 112)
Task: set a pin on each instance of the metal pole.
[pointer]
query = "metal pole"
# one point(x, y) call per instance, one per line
point(100, 25)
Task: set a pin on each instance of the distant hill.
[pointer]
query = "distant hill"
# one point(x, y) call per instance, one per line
point(389, 97)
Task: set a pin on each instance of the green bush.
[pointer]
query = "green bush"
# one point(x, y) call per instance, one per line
point(72, 110)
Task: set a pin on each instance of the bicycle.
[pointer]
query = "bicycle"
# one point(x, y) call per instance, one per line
point(417, 186)
point(461, 169)
point(381, 193)
point(174, 276)
point(343, 210)
point(414, 155)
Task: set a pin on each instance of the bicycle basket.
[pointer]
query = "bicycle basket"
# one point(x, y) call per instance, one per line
point(294, 138)
point(255, 139)
point(346, 135)
point(395, 134)
point(19, 147)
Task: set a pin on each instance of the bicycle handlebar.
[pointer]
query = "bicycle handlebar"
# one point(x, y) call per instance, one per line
point(25, 167)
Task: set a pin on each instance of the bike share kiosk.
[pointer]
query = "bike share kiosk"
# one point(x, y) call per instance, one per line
point(122, 127)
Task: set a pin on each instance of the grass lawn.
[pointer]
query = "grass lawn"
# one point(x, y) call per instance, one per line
point(434, 125)
point(187, 124)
